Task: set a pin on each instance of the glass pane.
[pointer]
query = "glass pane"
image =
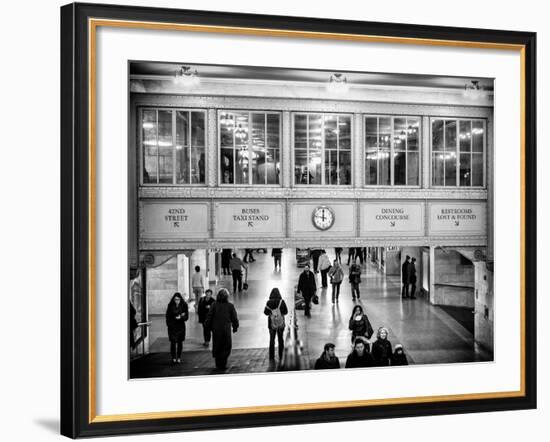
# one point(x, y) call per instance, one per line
point(331, 167)
point(226, 170)
point(344, 170)
point(300, 166)
point(149, 139)
point(465, 172)
point(258, 160)
point(450, 135)
point(344, 132)
point(465, 136)
point(331, 132)
point(182, 149)
point(371, 125)
point(413, 126)
point(273, 166)
point(300, 131)
point(437, 135)
point(400, 134)
point(450, 169)
point(273, 130)
point(477, 169)
point(371, 142)
point(477, 136)
point(385, 133)
point(315, 145)
point(241, 129)
point(399, 169)
point(166, 147)
point(242, 165)
point(438, 164)
point(412, 169)
point(370, 168)
point(227, 125)
point(384, 168)
point(197, 128)
point(197, 165)
point(258, 131)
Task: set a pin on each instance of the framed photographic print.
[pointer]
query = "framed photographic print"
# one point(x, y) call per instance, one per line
point(273, 220)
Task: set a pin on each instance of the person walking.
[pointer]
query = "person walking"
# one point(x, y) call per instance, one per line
point(277, 254)
point(307, 288)
point(336, 274)
point(328, 359)
point(177, 313)
point(226, 257)
point(236, 265)
point(355, 280)
point(351, 254)
point(358, 254)
point(381, 348)
point(248, 257)
point(399, 357)
point(360, 356)
point(360, 325)
point(405, 277)
point(222, 320)
point(412, 277)
point(315, 254)
point(197, 284)
point(338, 253)
point(202, 310)
point(276, 310)
point(324, 267)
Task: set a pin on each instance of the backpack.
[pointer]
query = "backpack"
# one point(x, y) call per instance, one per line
point(277, 320)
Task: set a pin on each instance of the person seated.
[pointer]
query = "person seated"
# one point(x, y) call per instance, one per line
point(399, 357)
point(327, 360)
point(360, 356)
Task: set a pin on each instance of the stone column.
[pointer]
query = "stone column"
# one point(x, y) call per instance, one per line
point(431, 279)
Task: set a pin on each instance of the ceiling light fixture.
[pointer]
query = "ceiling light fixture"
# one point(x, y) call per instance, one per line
point(473, 90)
point(338, 83)
point(185, 76)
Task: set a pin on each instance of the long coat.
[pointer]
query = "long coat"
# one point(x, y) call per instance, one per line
point(226, 257)
point(361, 328)
point(176, 327)
point(412, 273)
point(222, 320)
point(356, 361)
point(382, 352)
point(307, 285)
point(405, 272)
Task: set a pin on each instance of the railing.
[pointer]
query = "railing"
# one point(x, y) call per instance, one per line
point(293, 357)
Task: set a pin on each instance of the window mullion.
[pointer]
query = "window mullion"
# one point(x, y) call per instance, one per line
point(338, 149)
point(392, 146)
point(444, 151)
point(157, 140)
point(457, 150)
point(173, 146)
point(323, 150)
point(265, 148)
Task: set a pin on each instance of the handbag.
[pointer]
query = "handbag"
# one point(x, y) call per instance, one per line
point(315, 299)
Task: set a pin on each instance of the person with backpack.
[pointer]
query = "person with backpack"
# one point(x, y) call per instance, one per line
point(336, 274)
point(275, 310)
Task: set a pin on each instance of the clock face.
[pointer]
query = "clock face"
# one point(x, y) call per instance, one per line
point(323, 217)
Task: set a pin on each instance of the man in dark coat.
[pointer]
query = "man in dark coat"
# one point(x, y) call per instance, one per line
point(328, 359)
point(315, 254)
point(203, 308)
point(221, 320)
point(412, 277)
point(307, 287)
point(360, 356)
point(405, 277)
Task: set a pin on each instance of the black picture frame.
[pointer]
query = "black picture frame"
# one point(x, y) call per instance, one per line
point(76, 417)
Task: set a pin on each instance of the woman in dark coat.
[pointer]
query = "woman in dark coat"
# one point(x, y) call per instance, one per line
point(382, 349)
point(359, 324)
point(360, 356)
point(222, 319)
point(275, 302)
point(176, 315)
point(399, 357)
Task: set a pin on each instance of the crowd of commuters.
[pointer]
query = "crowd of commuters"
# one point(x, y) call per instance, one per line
point(219, 319)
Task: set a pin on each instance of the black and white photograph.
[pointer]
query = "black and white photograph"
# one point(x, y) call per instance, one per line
point(297, 219)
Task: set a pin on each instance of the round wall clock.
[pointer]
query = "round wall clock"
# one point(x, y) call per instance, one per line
point(323, 217)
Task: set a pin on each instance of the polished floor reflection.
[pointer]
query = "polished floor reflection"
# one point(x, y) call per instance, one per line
point(428, 333)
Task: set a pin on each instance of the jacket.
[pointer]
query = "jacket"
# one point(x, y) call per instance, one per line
point(306, 284)
point(204, 307)
point(272, 305)
point(362, 327)
point(323, 363)
point(324, 262)
point(336, 274)
point(356, 361)
point(405, 272)
point(412, 273)
point(176, 326)
point(355, 274)
point(382, 352)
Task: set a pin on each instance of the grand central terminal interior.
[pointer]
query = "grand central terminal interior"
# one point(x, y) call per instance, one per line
point(378, 170)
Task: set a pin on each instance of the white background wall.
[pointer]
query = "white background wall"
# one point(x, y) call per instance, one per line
point(29, 221)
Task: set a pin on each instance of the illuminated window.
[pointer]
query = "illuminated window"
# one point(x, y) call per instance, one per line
point(322, 149)
point(392, 151)
point(250, 150)
point(173, 144)
point(458, 147)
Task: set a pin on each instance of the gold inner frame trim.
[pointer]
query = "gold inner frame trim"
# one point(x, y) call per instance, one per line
point(93, 24)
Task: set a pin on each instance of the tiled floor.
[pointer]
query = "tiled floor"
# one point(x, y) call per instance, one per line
point(428, 333)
